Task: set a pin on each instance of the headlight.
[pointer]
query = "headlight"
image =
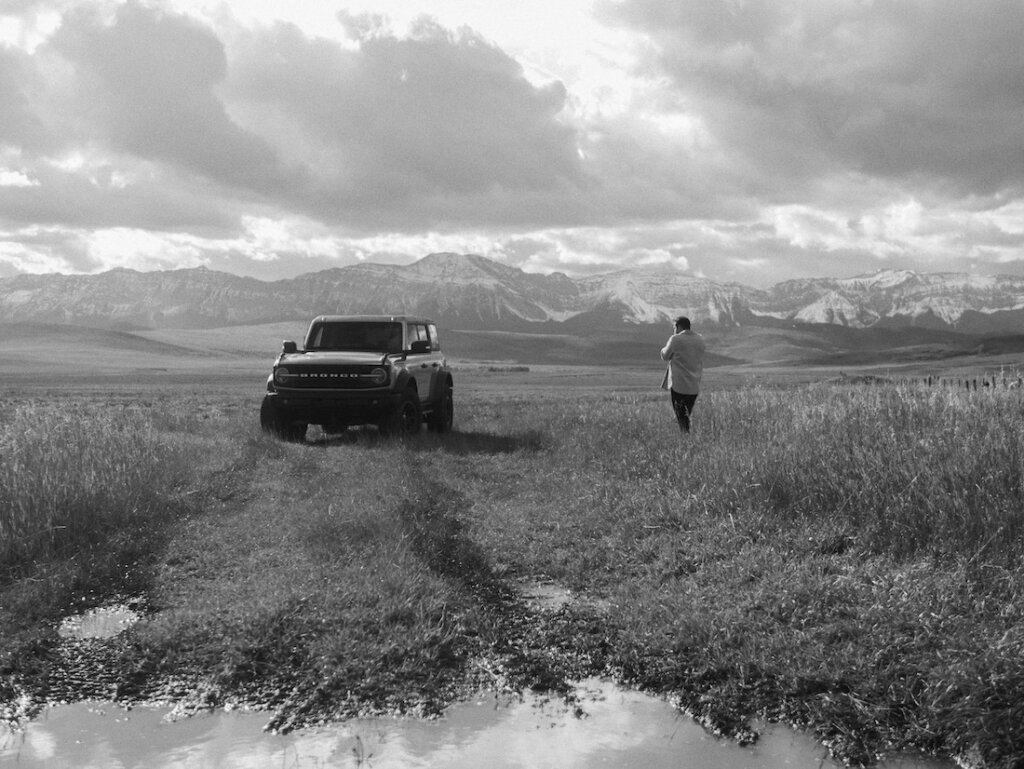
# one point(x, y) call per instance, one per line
point(379, 376)
point(281, 375)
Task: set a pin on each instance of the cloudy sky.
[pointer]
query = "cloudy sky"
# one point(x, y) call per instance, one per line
point(740, 140)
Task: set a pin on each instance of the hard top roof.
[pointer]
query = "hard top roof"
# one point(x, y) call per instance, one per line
point(370, 318)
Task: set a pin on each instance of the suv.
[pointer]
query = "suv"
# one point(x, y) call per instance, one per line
point(386, 370)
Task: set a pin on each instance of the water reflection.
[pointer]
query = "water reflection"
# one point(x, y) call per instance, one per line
point(622, 729)
point(102, 622)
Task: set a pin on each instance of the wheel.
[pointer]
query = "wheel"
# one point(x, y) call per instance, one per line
point(272, 423)
point(444, 414)
point(267, 418)
point(405, 420)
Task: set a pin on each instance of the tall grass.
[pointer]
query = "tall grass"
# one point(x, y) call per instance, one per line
point(898, 470)
point(70, 477)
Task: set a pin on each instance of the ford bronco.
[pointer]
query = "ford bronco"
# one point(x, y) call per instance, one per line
point(386, 370)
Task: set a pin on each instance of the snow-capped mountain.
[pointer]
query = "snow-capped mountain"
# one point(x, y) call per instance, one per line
point(473, 292)
point(958, 301)
point(655, 295)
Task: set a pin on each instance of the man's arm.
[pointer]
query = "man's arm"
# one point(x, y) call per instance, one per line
point(666, 351)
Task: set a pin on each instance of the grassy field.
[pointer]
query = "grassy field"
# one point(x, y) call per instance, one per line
point(840, 556)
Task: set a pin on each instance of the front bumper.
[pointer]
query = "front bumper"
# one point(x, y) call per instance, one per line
point(333, 408)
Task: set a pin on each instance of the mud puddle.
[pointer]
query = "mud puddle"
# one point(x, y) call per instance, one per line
point(102, 622)
point(620, 728)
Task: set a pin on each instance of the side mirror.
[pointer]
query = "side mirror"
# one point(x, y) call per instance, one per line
point(419, 347)
point(288, 347)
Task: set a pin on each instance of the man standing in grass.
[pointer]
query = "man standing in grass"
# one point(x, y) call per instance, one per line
point(684, 352)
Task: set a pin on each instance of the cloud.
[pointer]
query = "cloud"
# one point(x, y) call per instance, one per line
point(107, 196)
point(19, 125)
point(115, 120)
point(437, 128)
point(926, 90)
point(740, 139)
point(434, 129)
point(144, 84)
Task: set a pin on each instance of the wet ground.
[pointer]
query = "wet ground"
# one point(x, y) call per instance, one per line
point(591, 724)
point(102, 622)
point(617, 728)
point(599, 724)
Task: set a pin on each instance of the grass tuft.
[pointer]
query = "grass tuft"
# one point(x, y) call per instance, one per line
point(71, 478)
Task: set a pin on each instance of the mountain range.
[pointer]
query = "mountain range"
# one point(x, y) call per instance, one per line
point(474, 293)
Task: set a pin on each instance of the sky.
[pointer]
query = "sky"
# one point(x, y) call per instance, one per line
point(749, 141)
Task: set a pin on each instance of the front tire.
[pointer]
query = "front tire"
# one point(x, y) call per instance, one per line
point(273, 424)
point(405, 420)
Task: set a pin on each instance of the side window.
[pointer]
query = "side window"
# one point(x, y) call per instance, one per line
point(435, 341)
point(418, 333)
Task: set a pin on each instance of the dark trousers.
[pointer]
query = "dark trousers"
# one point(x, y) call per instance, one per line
point(682, 404)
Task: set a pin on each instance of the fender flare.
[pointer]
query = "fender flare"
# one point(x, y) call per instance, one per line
point(405, 380)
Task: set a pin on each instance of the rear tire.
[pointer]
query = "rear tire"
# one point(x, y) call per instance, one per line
point(440, 421)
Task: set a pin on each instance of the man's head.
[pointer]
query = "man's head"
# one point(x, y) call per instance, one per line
point(682, 324)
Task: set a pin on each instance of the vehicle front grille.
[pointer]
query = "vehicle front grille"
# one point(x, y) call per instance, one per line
point(331, 378)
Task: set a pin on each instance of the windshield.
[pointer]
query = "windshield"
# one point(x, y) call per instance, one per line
point(364, 336)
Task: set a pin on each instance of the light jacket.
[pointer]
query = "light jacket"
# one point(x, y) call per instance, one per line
point(685, 355)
